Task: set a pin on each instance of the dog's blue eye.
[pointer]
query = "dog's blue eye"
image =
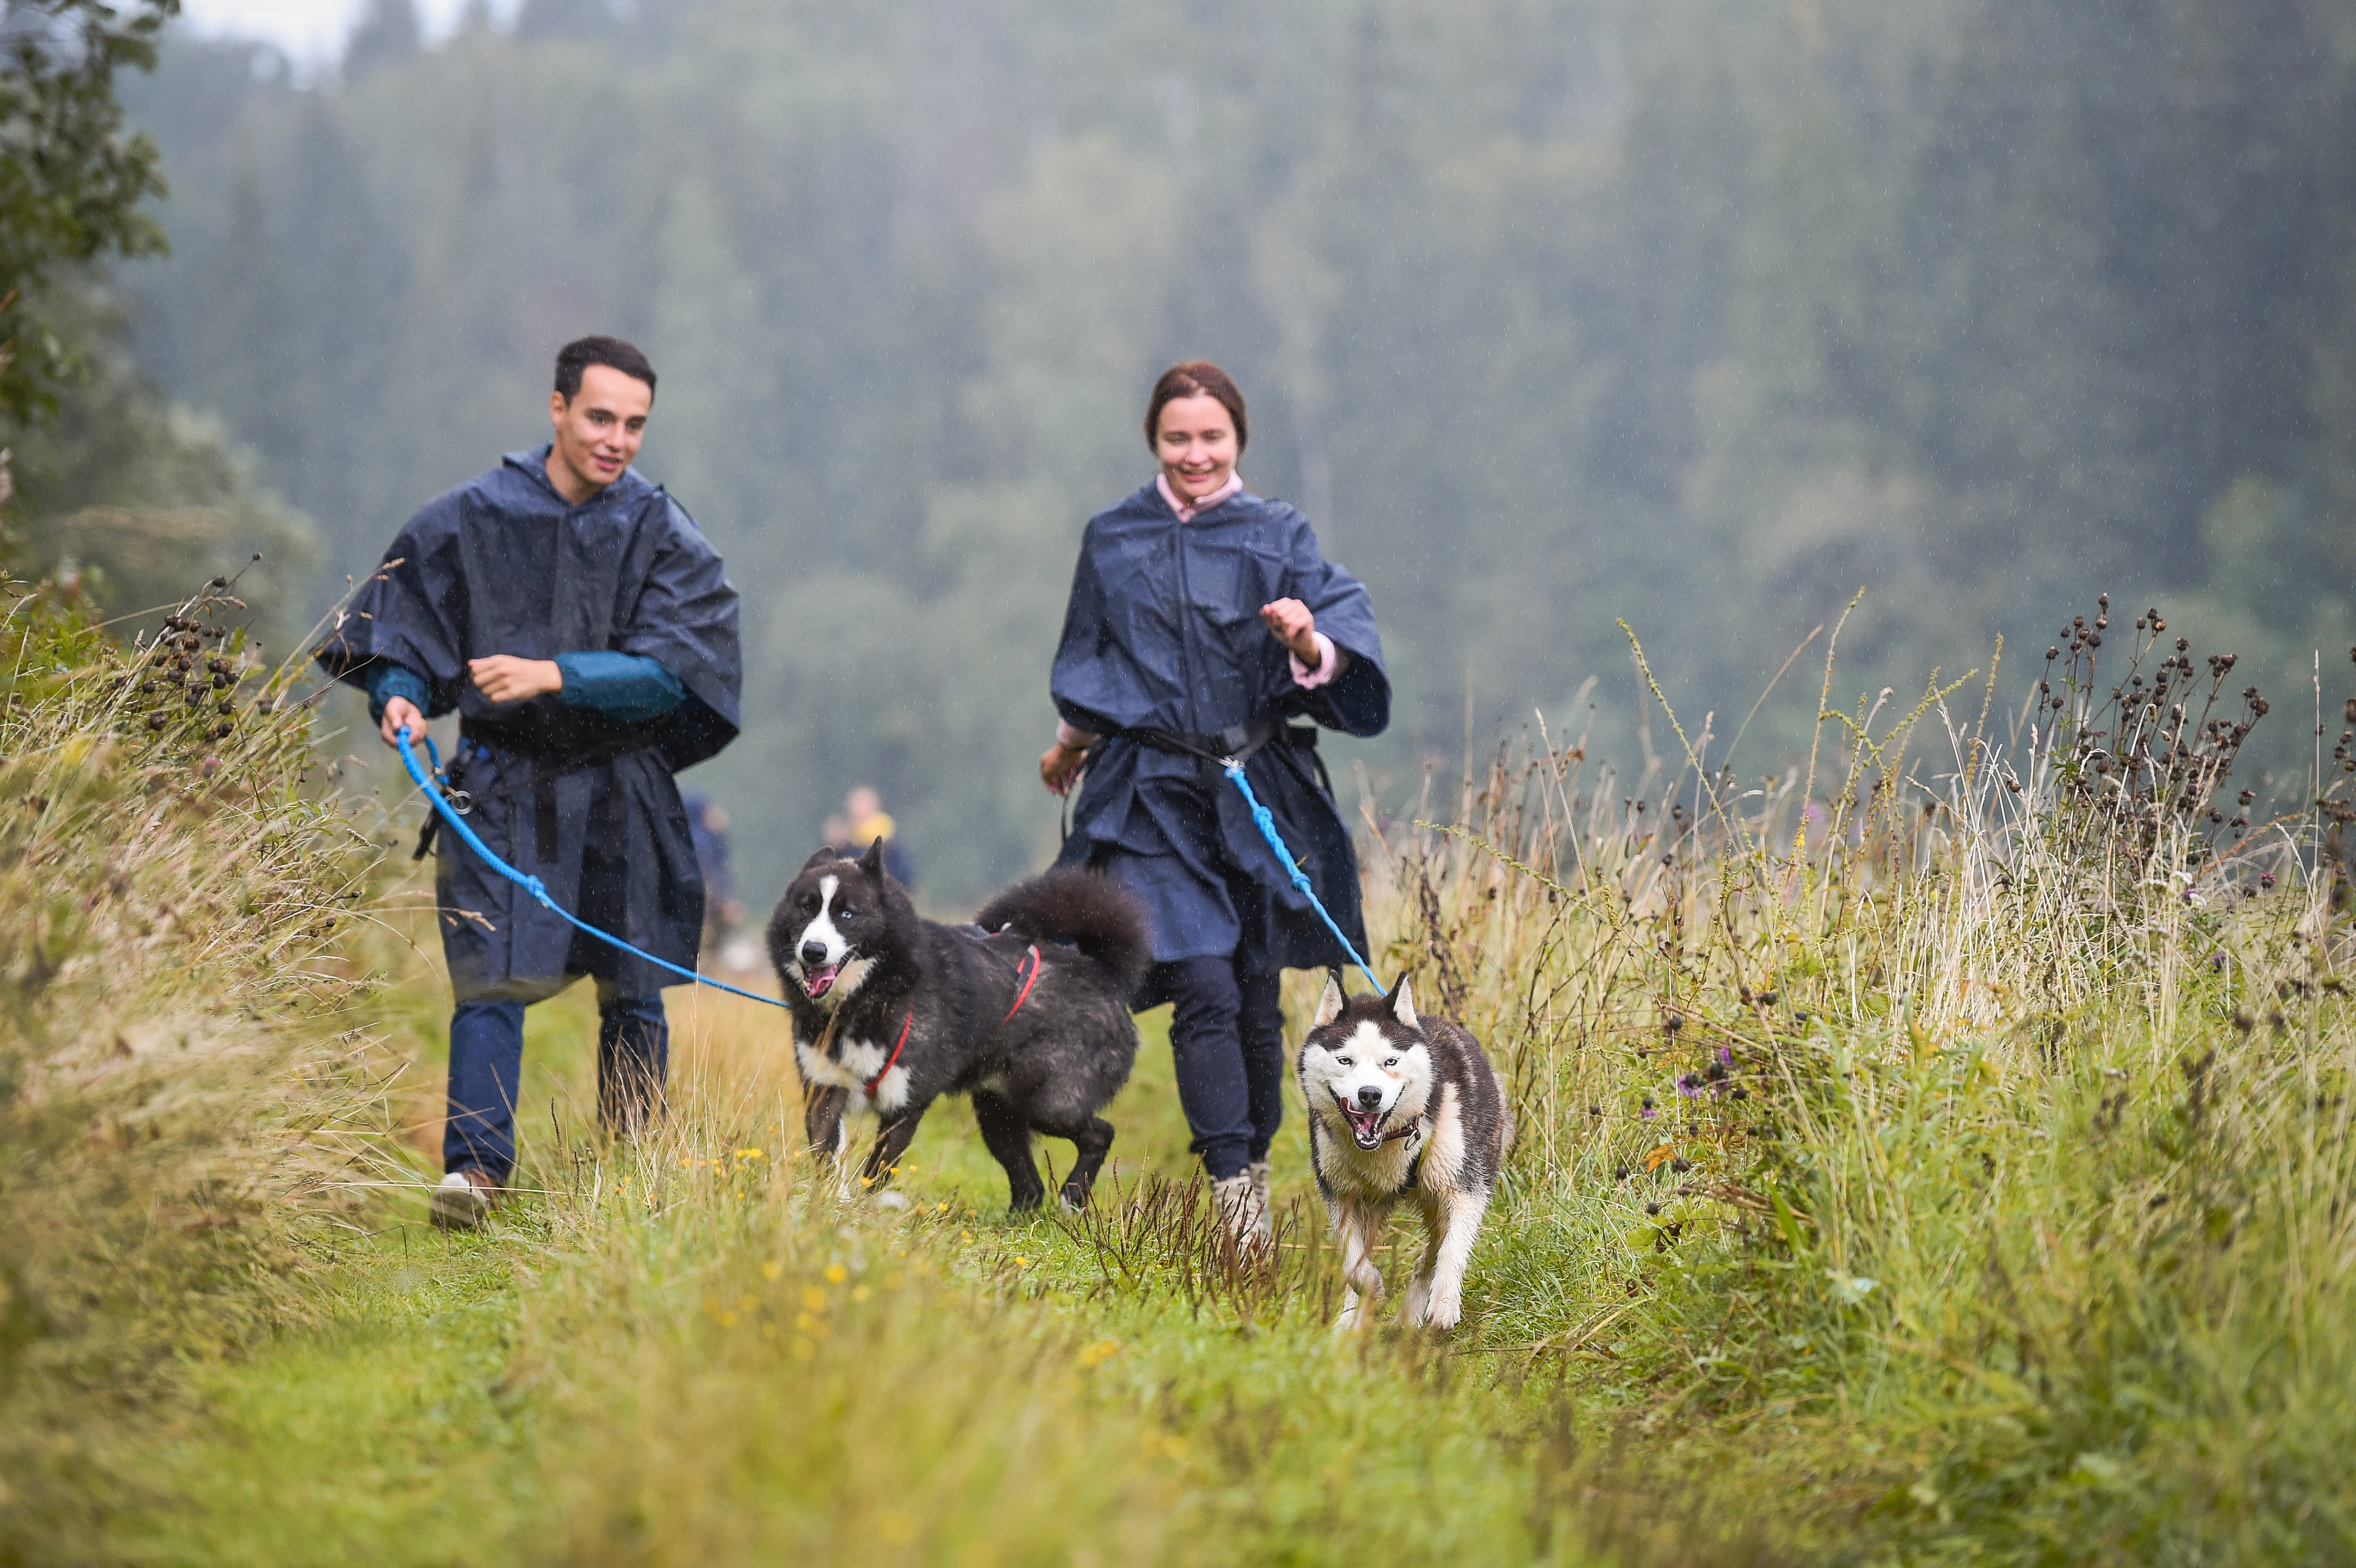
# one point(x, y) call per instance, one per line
point(1392, 1063)
point(1343, 1061)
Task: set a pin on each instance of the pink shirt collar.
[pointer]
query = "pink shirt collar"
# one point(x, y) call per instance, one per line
point(1186, 514)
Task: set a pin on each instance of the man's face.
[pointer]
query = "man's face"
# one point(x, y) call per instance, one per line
point(599, 432)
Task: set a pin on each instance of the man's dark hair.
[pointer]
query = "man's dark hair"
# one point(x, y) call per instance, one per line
point(583, 352)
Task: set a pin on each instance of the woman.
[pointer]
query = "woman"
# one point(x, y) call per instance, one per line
point(1202, 619)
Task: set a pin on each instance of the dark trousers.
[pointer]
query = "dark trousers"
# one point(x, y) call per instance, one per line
point(1226, 1036)
point(486, 1059)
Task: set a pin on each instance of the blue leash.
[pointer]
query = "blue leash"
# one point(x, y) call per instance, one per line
point(533, 885)
point(1266, 823)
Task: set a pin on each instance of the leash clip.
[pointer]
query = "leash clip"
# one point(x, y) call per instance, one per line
point(460, 801)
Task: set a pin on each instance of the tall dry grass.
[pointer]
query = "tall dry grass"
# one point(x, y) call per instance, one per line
point(183, 1081)
point(1952, 1127)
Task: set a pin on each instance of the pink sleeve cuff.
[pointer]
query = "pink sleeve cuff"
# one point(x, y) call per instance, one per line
point(1330, 660)
point(1077, 739)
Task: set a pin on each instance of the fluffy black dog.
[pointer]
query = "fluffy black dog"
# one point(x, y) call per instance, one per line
point(1026, 1011)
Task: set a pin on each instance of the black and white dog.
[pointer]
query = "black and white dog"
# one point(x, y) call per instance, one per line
point(1402, 1108)
point(891, 1011)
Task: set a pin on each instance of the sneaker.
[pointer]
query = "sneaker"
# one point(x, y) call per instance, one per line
point(462, 1201)
point(1245, 1215)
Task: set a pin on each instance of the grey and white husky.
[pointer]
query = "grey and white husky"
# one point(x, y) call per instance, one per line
point(1402, 1108)
point(1026, 1011)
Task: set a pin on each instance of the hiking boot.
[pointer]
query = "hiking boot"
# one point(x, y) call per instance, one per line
point(1245, 1215)
point(463, 1199)
point(1258, 1171)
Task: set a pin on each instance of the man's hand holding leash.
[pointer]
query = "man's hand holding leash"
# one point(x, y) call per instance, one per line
point(400, 714)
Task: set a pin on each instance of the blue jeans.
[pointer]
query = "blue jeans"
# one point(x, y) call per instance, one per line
point(487, 1060)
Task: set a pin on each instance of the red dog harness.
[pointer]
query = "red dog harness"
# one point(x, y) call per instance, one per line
point(1030, 973)
point(906, 1024)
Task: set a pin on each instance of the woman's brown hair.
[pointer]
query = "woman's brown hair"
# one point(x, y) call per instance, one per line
point(1195, 379)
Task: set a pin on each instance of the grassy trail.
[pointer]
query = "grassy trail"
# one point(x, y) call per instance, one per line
point(420, 1423)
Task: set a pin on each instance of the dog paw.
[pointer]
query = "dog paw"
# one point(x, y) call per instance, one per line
point(1444, 1315)
point(893, 1200)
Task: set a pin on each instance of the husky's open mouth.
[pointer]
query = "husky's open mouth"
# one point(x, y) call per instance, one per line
point(1365, 1126)
point(817, 982)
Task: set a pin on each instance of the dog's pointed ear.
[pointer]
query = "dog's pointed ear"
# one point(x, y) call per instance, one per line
point(1402, 1004)
point(1329, 1005)
point(872, 862)
point(826, 854)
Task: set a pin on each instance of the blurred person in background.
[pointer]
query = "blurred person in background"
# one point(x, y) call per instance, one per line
point(707, 825)
point(575, 618)
point(1202, 620)
point(863, 821)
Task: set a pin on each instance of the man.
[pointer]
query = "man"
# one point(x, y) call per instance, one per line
point(584, 631)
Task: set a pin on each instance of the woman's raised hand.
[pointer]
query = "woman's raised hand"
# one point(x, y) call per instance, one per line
point(1290, 623)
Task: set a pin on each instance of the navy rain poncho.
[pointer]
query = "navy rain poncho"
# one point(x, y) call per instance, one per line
point(1163, 634)
point(577, 797)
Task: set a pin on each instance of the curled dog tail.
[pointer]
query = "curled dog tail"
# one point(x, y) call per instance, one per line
point(1087, 909)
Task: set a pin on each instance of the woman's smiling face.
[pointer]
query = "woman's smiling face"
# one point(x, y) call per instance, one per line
point(1195, 443)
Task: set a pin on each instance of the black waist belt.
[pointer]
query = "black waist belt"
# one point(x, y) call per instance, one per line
point(1235, 743)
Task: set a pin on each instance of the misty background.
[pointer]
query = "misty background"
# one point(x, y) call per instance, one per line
point(1698, 313)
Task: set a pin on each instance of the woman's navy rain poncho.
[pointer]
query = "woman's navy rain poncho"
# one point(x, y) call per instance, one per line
point(1164, 632)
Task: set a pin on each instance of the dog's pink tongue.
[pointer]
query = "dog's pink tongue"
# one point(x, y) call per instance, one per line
point(820, 981)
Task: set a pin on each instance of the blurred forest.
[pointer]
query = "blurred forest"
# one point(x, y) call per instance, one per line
point(1700, 313)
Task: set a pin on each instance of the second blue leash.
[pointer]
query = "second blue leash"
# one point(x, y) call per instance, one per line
point(538, 889)
point(1266, 820)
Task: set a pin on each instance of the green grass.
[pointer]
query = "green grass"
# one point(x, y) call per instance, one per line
point(384, 1435)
